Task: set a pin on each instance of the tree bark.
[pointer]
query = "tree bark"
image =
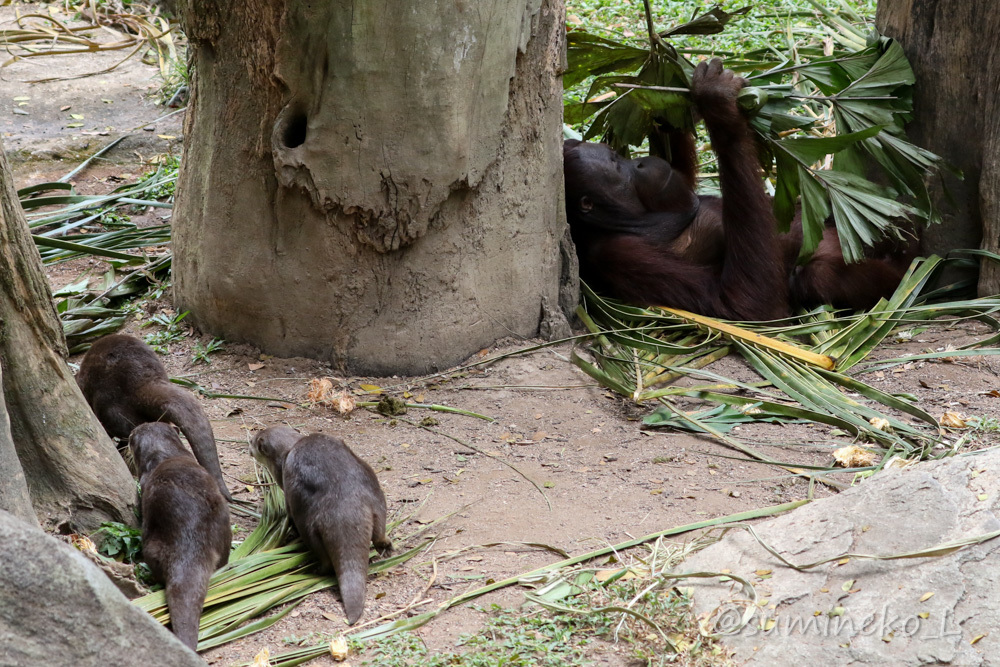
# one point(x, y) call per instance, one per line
point(74, 474)
point(953, 49)
point(379, 189)
point(989, 184)
point(14, 496)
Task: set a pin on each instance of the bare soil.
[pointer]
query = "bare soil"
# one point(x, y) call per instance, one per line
point(564, 462)
point(607, 479)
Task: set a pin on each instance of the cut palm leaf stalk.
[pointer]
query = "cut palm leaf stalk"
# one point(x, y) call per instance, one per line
point(433, 407)
point(756, 388)
point(274, 527)
point(877, 395)
point(261, 576)
point(142, 193)
point(64, 179)
point(633, 358)
point(602, 377)
point(751, 408)
point(194, 386)
point(641, 328)
point(722, 417)
point(302, 655)
point(935, 551)
point(80, 249)
point(736, 333)
point(86, 245)
point(691, 362)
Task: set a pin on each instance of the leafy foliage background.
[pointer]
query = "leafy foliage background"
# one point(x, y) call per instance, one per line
point(828, 103)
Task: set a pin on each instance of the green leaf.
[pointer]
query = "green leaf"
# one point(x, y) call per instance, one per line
point(888, 73)
point(710, 23)
point(832, 74)
point(25, 192)
point(815, 211)
point(589, 55)
point(578, 112)
point(809, 150)
point(73, 289)
point(862, 211)
point(786, 190)
point(658, 101)
point(783, 122)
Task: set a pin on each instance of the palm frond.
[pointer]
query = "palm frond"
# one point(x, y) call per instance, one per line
point(67, 226)
point(640, 352)
point(826, 110)
point(263, 573)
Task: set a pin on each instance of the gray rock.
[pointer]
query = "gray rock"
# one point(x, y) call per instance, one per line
point(57, 608)
point(880, 619)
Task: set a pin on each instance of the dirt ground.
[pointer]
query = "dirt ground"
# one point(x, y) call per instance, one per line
point(607, 479)
point(604, 478)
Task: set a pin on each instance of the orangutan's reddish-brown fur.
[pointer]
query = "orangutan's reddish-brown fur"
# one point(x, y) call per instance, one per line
point(644, 236)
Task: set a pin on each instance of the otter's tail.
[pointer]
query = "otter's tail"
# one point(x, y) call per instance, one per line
point(350, 563)
point(185, 592)
point(183, 409)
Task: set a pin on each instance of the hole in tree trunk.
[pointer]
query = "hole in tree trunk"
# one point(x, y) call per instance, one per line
point(295, 130)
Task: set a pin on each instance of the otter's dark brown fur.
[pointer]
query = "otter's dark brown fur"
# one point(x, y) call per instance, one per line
point(334, 500)
point(186, 534)
point(126, 385)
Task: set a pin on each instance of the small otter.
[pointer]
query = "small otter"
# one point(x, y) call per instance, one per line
point(334, 500)
point(185, 523)
point(126, 385)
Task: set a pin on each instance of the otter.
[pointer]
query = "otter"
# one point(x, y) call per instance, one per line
point(126, 385)
point(186, 534)
point(334, 500)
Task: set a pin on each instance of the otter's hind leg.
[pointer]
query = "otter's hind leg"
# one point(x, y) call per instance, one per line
point(379, 538)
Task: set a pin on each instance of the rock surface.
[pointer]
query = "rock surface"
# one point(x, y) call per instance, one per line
point(867, 611)
point(57, 608)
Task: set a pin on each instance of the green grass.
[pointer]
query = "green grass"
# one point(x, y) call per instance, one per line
point(533, 637)
point(507, 638)
point(762, 27)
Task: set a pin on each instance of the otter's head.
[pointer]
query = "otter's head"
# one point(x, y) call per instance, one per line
point(153, 443)
point(271, 446)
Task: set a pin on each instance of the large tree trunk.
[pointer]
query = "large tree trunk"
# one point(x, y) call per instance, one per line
point(953, 47)
point(74, 474)
point(989, 184)
point(14, 496)
point(376, 185)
